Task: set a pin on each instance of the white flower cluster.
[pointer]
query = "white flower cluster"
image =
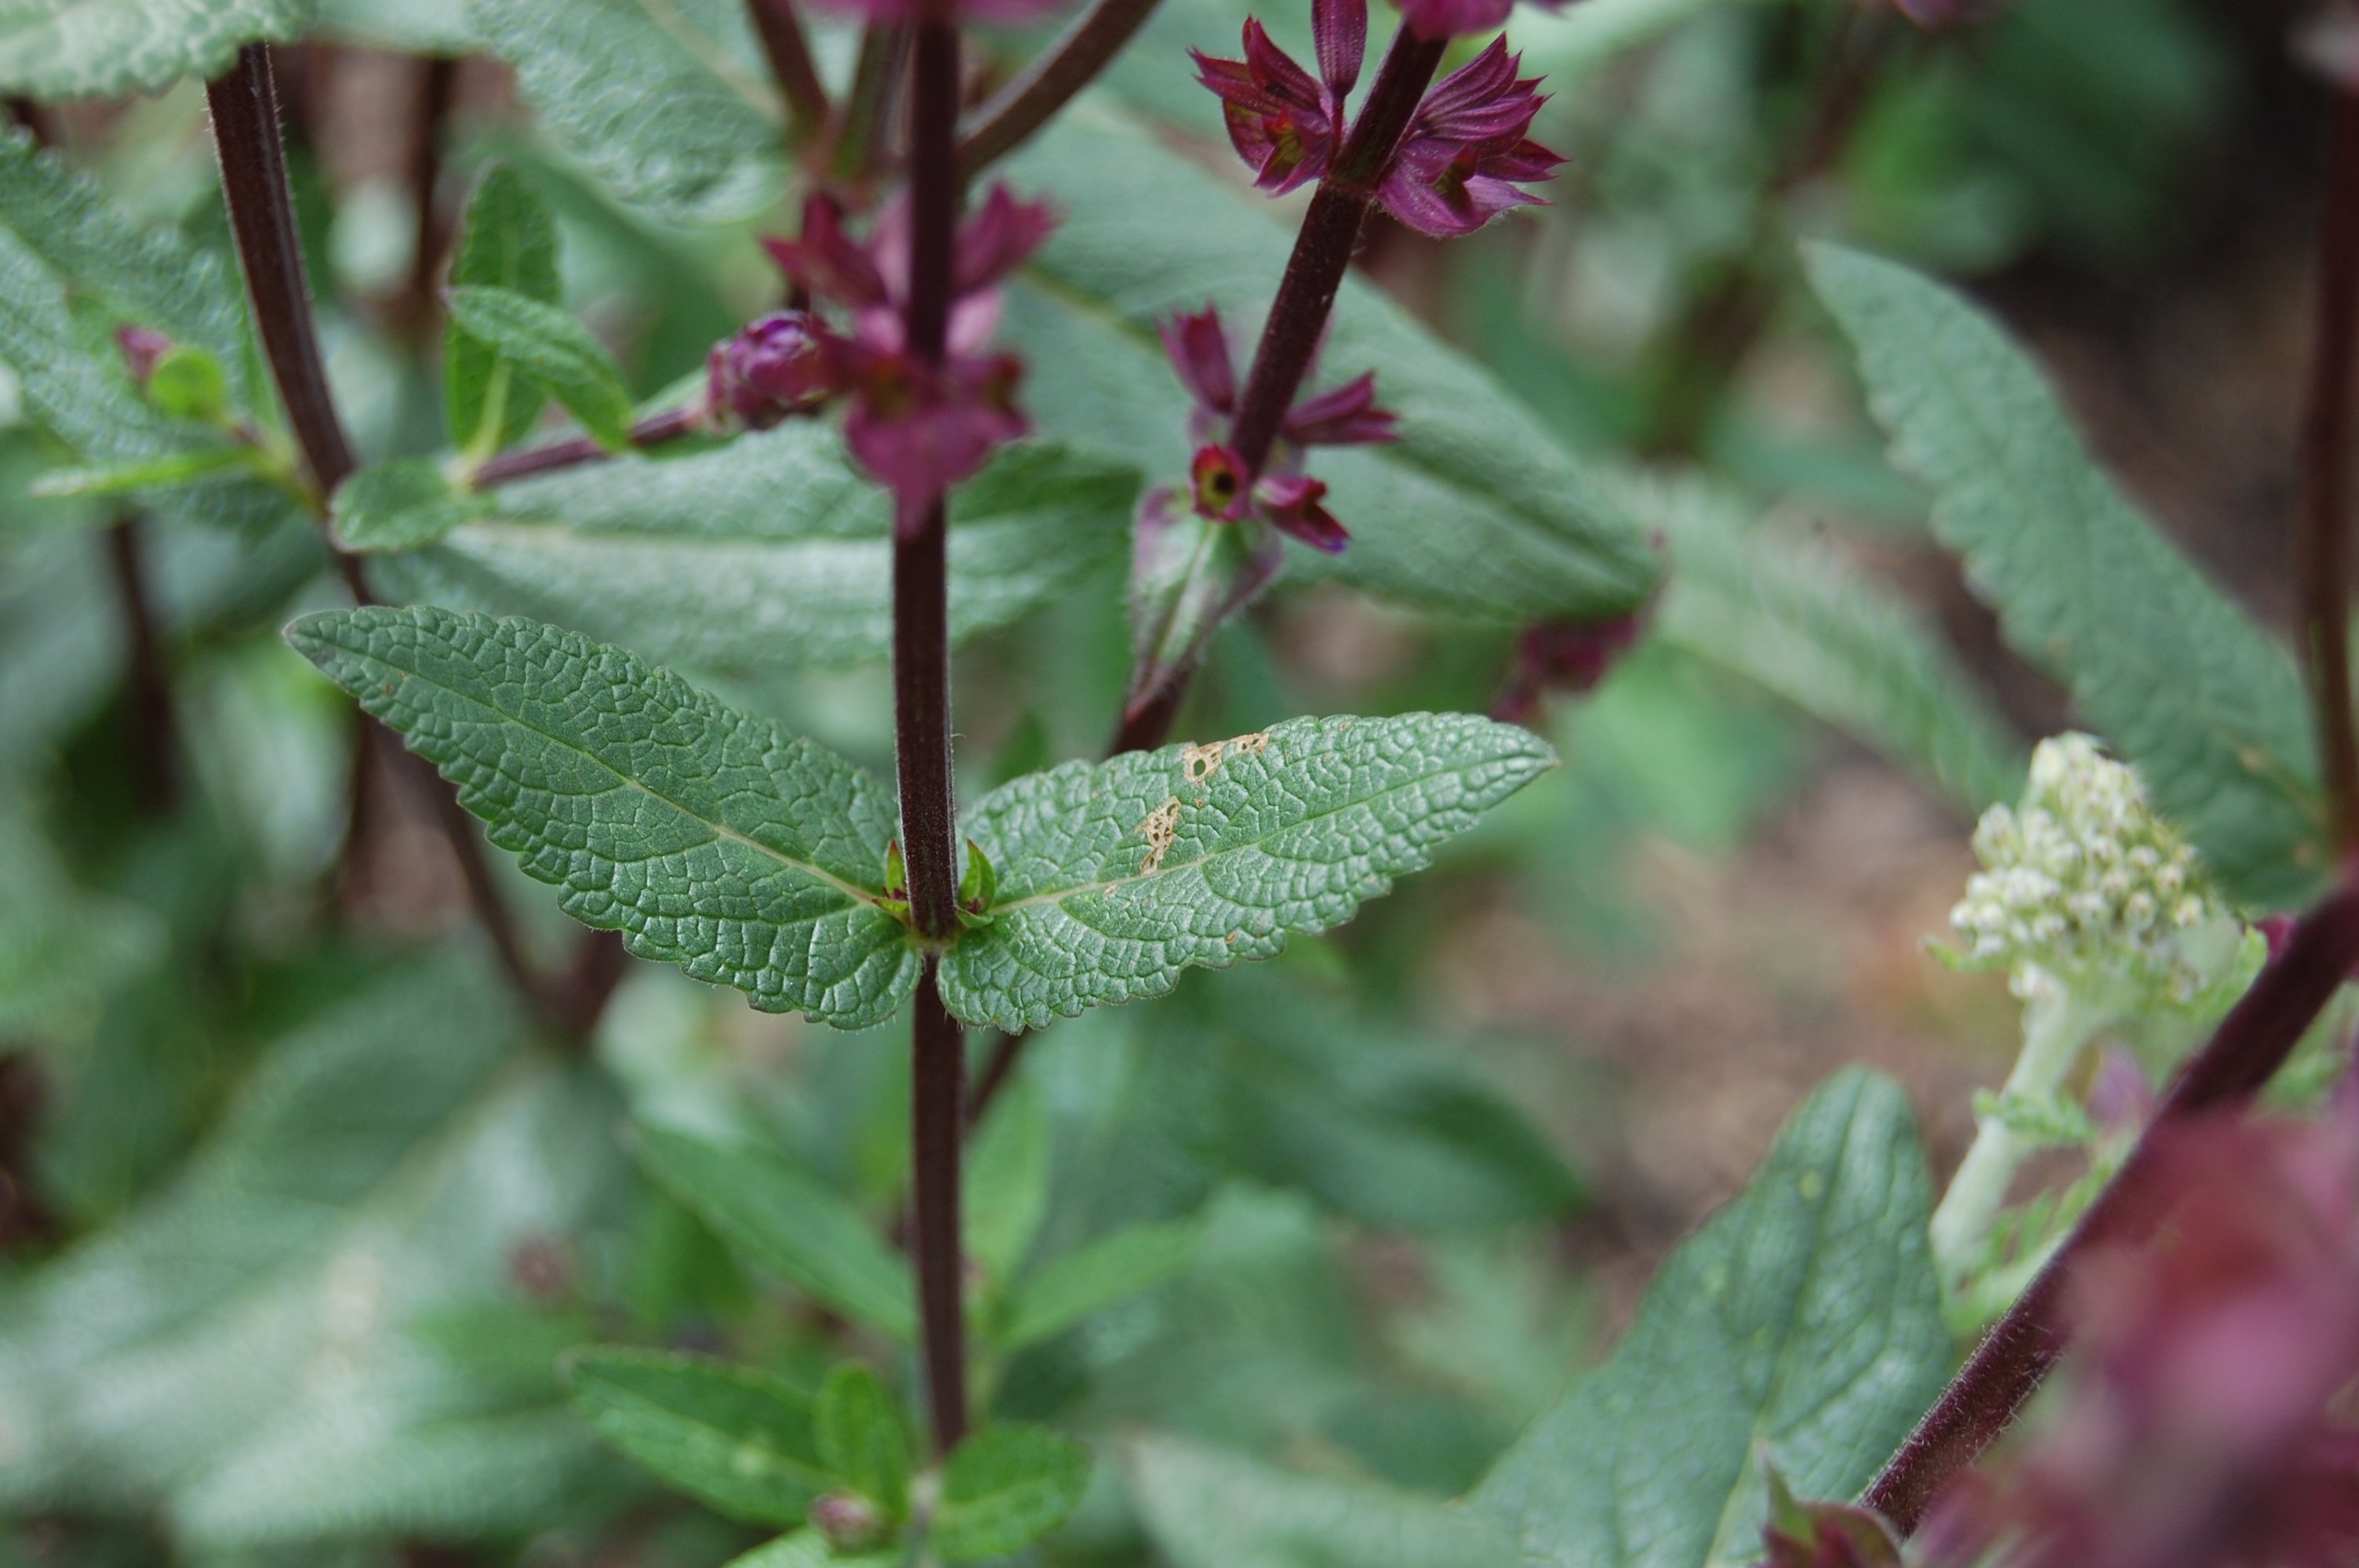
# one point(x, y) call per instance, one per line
point(2083, 875)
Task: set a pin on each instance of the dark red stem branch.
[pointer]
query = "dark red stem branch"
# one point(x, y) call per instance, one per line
point(781, 32)
point(155, 739)
point(526, 462)
point(862, 119)
point(437, 83)
point(2251, 1043)
point(1049, 83)
point(2322, 551)
point(261, 219)
point(921, 700)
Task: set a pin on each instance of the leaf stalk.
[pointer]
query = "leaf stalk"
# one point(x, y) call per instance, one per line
point(1032, 96)
point(781, 32)
point(2321, 541)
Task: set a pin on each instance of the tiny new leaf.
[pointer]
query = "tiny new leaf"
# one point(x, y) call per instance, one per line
point(1804, 1318)
point(734, 1437)
point(549, 348)
point(862, 1439)
point(397, 505)
point(1006, 1487)
point(1115, 877)
point(710, 838)
point(784, 1223)
point(2162, 664)
point(509, 242)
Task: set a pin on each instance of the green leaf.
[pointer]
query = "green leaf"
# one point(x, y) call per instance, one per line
point(549, 348)
point(2178, 678)
point(1804, 1318)
point(770, 551)
point(62, 949)
point(664, 104)
point(397, 505)
point(1475, 510)
point(160, 473)
point(1115, 877)
point(1793, 615)
point(112, 48)
point(1204, 1509)
point(1005, 1194)
point(708, 837)
point(1004, 1489)
point(734, 1437)
point(1383, 1124)
point(784, 1223)
point(1096, 1275)
point(509, 242)
point(862, 1439)
point(61, 238)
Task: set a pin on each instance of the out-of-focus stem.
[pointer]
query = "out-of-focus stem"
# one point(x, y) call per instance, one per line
point(437, 85)
point(1049, 83)
point(526, 462)
point(865, 117)
point(156, 743)
point(2322, 541)
point(2251, 1043)
point(781, 32)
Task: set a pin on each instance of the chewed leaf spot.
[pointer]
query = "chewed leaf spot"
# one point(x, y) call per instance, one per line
point(1161, 826)
point(1198, 763)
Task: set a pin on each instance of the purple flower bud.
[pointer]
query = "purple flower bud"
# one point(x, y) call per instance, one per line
point(850, 1522)
point(141, 350)
point(773, 369)
point(1200, 353)
point(1564, 655)
point(1454, 19)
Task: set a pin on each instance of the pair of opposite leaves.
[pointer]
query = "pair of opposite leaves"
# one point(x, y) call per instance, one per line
point(713, 839)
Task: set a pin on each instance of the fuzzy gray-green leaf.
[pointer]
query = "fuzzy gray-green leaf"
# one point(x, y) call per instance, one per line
point(663, 100)
point(708, 837)
point(734, 1437)
point(2173, 674)
point(1115, 877)
point(1206, 1508)
point(1804, 1318)
point(539, 342)
point(770, 551)
point(108, 49)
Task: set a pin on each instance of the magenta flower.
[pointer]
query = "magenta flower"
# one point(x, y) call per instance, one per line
point(1280, 495)
point(917, 428)
point(775, 368)
point(1285, 124)
point(1466, 155)
point(1463, 161)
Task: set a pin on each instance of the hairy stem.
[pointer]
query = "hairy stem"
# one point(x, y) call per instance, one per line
point(922, 747)
point(1049, 82)
point(526, 462)
point(2251, 1043)
point(245, 104)
point(2320, 549)
point(781, 32)
point(155, 739)
point(2055, 1028)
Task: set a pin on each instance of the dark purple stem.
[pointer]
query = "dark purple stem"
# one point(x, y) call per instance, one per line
point(863, 118)
point(156, 740)
point(2251, 1043)
point(1049, 83)
point(2322, 562)
point(921, 671)
point(437, 86)
point(781, 32)
point(526, 462)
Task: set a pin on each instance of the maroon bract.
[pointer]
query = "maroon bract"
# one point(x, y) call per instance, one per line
point(916, 428)
point(1466, 155)
point(773, 369)
point(1285, 124)
point(1454, 19)
point(1281, 496)
point(1570, 656)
